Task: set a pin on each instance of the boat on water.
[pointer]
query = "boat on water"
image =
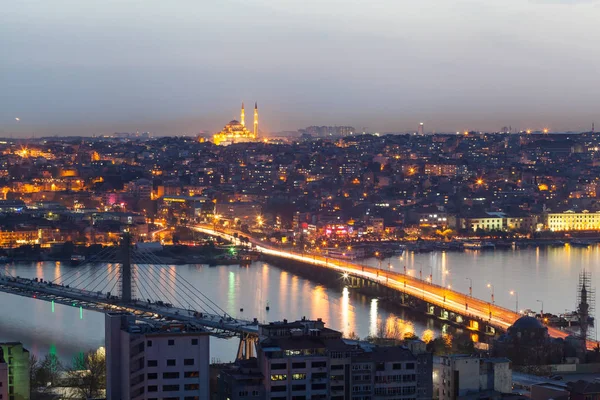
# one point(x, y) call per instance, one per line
point(77, 259)
point(478, 245)
point(581, 243)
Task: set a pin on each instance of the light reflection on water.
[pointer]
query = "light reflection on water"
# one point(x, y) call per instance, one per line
point(231, 287)
point(543, 273)
point(550, 274)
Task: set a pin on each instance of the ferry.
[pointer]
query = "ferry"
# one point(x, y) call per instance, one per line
point(479, 245)
point(77, 259)
point(580, 243)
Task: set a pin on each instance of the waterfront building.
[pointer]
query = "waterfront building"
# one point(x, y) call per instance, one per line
point(573, 221)
point(305, 360)
point(461, 376)
point(145, 362)
point(245, 211)
point(236, 132)
point(17, 361)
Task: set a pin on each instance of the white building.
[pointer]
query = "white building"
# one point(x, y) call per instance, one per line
point(458, 376)
point(145, 362)
point(574, 221)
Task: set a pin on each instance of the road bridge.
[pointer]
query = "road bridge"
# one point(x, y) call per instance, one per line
point(441, 301)
point(141, 291)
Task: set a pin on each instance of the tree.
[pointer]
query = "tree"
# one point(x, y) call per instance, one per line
point(88, 373)
point(49, 370)
point(34, 366)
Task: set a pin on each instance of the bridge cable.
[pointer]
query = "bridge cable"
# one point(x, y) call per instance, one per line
point(179, 299)
point(186, 287)
point(140, 272)
point(86, 275)
point(186, 300)
point(85, 264)
point(165, 296)
point(102, 274)
point(113, 287)
point(108, 283)
point(100, 282)
point(196, 292)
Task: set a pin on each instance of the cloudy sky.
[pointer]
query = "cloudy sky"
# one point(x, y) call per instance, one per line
point(181, 66)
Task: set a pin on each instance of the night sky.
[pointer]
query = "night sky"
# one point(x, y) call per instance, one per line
point(181, 66)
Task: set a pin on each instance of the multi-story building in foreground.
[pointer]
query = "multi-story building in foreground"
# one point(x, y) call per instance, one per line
point(17, 362)
point(148, 362)
point(304, 360)
point(460, 376)
point(3, 376)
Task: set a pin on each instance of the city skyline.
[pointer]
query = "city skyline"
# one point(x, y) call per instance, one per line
point(98, 68)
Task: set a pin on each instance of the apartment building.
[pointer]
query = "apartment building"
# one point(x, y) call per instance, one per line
point(17, 362)
point(3, 377)
point(150, 362)
point(303, 360)
point(460, 376)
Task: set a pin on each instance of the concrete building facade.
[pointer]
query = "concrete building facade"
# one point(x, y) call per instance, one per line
point(145, 362)
point(3, 377)
point(459, 376)
point(17, 361)
point(304, 360)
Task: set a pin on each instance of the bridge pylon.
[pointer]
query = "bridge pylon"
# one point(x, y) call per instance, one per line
point(126, 268)
point(247, 346)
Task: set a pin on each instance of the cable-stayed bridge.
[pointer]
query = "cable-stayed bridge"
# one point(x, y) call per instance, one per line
point(128, 279)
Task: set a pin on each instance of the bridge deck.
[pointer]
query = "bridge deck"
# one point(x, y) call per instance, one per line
point(440, 296)
point(222, 326)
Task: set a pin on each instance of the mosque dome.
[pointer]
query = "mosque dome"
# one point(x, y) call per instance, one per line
point(528, 323)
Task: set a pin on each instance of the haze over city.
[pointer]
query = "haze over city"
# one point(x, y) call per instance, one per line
point(95, 67)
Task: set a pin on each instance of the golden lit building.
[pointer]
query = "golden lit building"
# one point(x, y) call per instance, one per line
point(574, 221)
point(236, 132)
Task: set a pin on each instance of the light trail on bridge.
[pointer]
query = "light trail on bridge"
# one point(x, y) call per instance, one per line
point(451, 300)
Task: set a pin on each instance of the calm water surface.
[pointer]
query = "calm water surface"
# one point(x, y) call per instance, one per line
point(548, 274)
point(231, 287)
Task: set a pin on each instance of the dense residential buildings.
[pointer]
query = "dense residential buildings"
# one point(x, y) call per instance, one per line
point(331, 185)
point(303, 359)
point(155, 362)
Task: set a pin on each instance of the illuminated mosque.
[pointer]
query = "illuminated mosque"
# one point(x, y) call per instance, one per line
point(236, 132)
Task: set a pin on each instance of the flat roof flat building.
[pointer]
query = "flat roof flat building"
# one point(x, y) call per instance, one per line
point(148, 362)
point(304, 360)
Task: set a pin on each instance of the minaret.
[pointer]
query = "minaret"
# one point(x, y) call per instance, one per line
point(255, 120)
point(243, 116)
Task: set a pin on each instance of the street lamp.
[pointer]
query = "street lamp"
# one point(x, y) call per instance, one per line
point(492, 288)
point(470, 286)
point(513, 293)
point(541, 301)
